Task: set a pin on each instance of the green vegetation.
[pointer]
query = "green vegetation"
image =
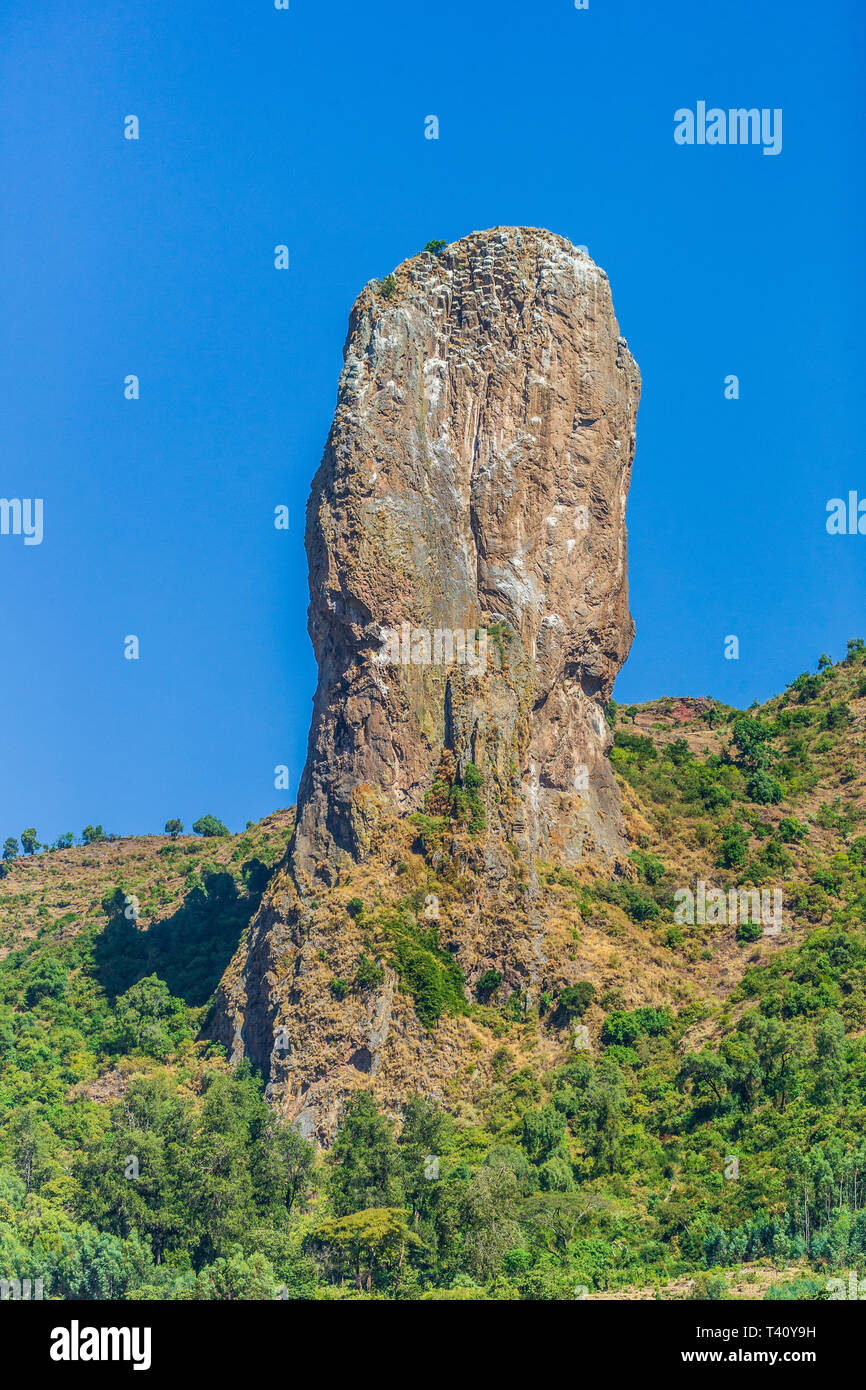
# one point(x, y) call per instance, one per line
point(697, 1132)
point(209, 826)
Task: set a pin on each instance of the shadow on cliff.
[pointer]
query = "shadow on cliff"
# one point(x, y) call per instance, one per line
point(189, 950)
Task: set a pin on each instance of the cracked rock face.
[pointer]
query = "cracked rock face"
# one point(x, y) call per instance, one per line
point(473, 485)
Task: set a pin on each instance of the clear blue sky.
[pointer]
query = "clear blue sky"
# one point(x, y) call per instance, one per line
point(306, 127)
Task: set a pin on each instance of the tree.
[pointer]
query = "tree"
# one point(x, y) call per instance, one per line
point(29, 1146)
point(763, 789)
point(435, 247)
point(576, 999)
point(29, 841)
point(556, 1216)
point(92, 835)
point(363, 1240)
point(289, 1159)
point(830, 1045)
point(47, 980)
point(426, 1132)
point(364, 1158)
point(210, 827)
point(64, 841)
point(543, 1132)
point(174, 828)
point(750, 738)
point(10, 848)
point(707, 1071)
point(149, 1019)
point(488, 1219)
point(240, 1277)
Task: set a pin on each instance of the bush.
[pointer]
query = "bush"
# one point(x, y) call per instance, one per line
point(370, 974)
point(624, 1028)
point(148, 1019)
point(210, 827)
point(748, 931)
point(430, 974)
point(355, 907)
point(93, 835)
point(47, 981)
point(389, 284)
point(488, 983)
point(639, 907)
point(642, 747)
point(339, 988)
point(735, 843)
point(790, 829)
point(713, 1287)
point(434, 247)
point(576, 999)
point(764, 789)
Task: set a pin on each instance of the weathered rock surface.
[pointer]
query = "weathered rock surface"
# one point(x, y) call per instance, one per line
point(476, 474)
point(474, 481)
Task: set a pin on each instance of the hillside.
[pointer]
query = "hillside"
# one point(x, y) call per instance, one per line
point(704, 1132)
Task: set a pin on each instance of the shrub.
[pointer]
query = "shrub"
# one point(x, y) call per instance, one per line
point(370, 973)
point(47, 980)
point(642, 747)
point(747, 932)
point(735, 843)
point(764, 789)
point(790, 829)
point(434, 247)
point(355, 908)
point(488, 983)
point(624, 1028)
point(639, 907)
point(431, 975)
point(389, 284)
point(713, 1287)
point(837, 716)
point(576, 999)
point(93, 835)
point(210, 827)
point(339, 988)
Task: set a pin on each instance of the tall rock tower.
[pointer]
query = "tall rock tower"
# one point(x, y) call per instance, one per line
point(469, 614)
point(474, 481)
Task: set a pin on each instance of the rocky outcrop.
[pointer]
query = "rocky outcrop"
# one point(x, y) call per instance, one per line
point(475, 478)
point(469, 614)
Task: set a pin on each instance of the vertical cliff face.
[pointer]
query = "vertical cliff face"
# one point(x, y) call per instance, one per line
point(474, 482)
point(469, 613)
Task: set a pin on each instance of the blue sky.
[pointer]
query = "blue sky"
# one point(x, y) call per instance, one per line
point(306, 127)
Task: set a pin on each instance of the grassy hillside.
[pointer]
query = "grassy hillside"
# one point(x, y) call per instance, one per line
point(701, 1138)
